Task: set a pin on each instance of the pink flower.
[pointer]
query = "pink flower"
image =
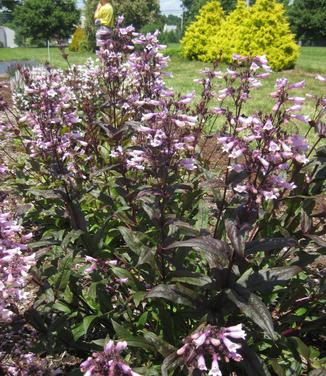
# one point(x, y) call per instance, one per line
point(201, 363)
point(188, 164)
point(321, 78)
point(231, 346)
point(215, 369)
point(200, 340)
point(235, 331)
point(298, 143)
point(182, 349)
point(297, 85)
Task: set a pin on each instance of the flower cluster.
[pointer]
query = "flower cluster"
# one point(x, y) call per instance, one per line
point(257, 145)
point(108, 362)
point(212, 343)
point(15, 262)
point(29, 364)
point(103, 266)
point(264, 154)
point(50, 117)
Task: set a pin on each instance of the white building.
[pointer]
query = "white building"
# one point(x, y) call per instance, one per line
point(7, 37)
point(168, 28)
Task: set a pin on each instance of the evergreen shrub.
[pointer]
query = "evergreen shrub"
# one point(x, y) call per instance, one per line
point(79, 41)
point(196, 40)
point(262, 29)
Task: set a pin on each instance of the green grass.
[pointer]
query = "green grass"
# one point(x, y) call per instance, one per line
point(312, 60)
point(41, 55)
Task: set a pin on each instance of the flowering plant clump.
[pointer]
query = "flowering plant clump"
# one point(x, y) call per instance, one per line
point(108, 362)
point(15, 263)
point(217, 343)
point(29, 364)
point(156, 211)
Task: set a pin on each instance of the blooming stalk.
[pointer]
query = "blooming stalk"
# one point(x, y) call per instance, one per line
point(15, 263)
point(213, 344)
point(108, 362)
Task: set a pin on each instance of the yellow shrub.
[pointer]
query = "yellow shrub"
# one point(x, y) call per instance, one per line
point(231, 37)
point(195, 42)
point(262, 29)
point(79, 40)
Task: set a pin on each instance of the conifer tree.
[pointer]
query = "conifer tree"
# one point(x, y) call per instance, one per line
point(270, 34)
point(262, 29)
point(230, 35)
point(195, 42)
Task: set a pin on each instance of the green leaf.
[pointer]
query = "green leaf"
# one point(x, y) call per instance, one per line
point(171, 293)
point(132, 239)
point(161, 346)
point(46, 193)
point(266, 279)
point(318, 372)
point(236, 238)
point(306, 222)
point(171, 362)
point(252, 364)
point(62, 307)
point(184, 228)
point(133, 341)
point(202, 216)
point(216, 252)
point(124, 273)
point(269, 245)
point(253, 307)
point(121, 330)
point(42, 243)
point(278, 369)
point(302, 349)
point(81, 330)
point(36, 320)
point(71, 237)
point(318, 240)
point(138, 297)
point(195, 279)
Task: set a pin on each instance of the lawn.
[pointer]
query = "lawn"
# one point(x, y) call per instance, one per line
point(312, 60)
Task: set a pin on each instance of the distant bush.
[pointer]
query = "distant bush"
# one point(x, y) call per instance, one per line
point(151, 28)
point(172, 36)
point(79, 41)
point(196, 40)
point(262, 29)
point(231, 34)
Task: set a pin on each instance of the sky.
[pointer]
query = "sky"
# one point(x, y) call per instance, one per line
point(167, 6)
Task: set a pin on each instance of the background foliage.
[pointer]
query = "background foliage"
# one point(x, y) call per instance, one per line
point(196, 41)
point(260, 29)
point(308, 19)
point(41, 20)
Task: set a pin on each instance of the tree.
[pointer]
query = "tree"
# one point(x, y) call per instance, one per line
point(171, 19)
point(137, 13)
point(231, 34)
point(195, 42)
point(192, 8)
point(6, 10)
point(261, 29)
point(308, 21)
point(90, 28)
point(46, 19)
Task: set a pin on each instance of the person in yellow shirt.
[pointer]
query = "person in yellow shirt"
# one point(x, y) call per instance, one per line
point(104, 14)
point(104, 20)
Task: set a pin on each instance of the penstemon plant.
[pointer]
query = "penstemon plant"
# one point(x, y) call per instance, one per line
point(143, 241)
